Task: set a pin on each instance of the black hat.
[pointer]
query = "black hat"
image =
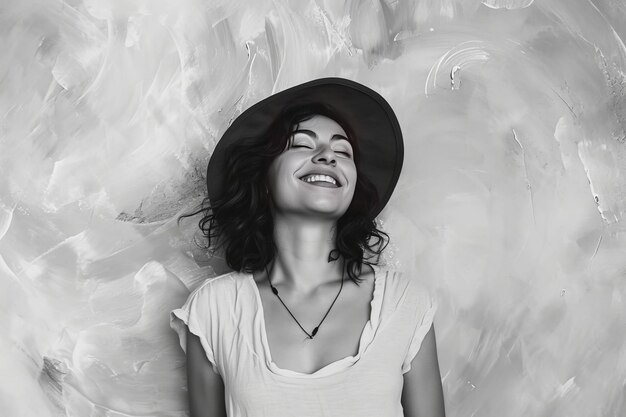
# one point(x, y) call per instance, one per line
point(375, 126)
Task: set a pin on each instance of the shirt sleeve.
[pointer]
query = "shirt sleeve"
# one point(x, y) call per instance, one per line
point(197, 314)
point(425, 308)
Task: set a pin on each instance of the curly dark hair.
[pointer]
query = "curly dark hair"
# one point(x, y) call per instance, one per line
point(240, 221)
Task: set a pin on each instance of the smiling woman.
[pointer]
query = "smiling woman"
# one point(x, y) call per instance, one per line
point(316, 175)
point(292, 207)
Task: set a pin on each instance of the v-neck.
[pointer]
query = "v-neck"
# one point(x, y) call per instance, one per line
point(367, 335)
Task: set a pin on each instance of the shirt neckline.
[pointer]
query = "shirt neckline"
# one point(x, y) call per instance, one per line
point(337, 366)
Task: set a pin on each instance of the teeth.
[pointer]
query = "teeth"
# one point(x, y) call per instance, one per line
point(316, 178)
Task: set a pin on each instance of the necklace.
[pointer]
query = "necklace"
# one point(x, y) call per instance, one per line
point(316, 329)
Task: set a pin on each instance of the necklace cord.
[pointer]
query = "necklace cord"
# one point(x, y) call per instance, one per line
point(316, 329)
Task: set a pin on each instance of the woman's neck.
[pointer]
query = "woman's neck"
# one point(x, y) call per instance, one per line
point(302, 249)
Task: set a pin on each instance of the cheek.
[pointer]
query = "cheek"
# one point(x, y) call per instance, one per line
point(278, 174)
point(351, 174)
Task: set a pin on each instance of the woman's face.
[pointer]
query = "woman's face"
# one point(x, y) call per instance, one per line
point(315, 175)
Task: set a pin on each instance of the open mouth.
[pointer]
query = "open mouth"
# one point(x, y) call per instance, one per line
point(321, 180)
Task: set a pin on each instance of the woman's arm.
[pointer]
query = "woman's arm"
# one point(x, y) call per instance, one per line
point(422, 394)
point(206, 388)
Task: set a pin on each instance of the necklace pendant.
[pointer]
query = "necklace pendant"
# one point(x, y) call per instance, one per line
point(314, 332)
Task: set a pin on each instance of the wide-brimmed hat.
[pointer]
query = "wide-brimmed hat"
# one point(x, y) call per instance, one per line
point(373, 122)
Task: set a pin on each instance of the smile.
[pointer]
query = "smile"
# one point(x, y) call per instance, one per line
point(320, 179)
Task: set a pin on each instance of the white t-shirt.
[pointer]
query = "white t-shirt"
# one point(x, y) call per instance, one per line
point(227, 315)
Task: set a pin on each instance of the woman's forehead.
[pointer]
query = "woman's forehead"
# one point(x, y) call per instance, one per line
point(319, 122)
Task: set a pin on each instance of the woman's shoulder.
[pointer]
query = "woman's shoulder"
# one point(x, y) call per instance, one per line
point(221, 286)
point(403, 283)
point(407, 301)
point(392, 275)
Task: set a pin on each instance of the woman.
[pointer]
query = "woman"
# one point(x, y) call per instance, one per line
point(308, 325)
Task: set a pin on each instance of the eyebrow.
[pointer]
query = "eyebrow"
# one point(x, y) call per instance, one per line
point(311, 133)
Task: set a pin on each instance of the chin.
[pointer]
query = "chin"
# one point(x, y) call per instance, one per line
point(326, 211)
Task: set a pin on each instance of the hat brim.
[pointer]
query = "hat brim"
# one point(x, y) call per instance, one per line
point(371, 118)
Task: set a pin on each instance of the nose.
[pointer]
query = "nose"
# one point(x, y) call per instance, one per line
point(325, 156)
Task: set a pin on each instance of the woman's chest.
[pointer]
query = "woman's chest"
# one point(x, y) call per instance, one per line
point(369, 385)
point(338, 335)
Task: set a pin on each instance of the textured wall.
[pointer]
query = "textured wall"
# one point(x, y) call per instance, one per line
point(511, 206)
